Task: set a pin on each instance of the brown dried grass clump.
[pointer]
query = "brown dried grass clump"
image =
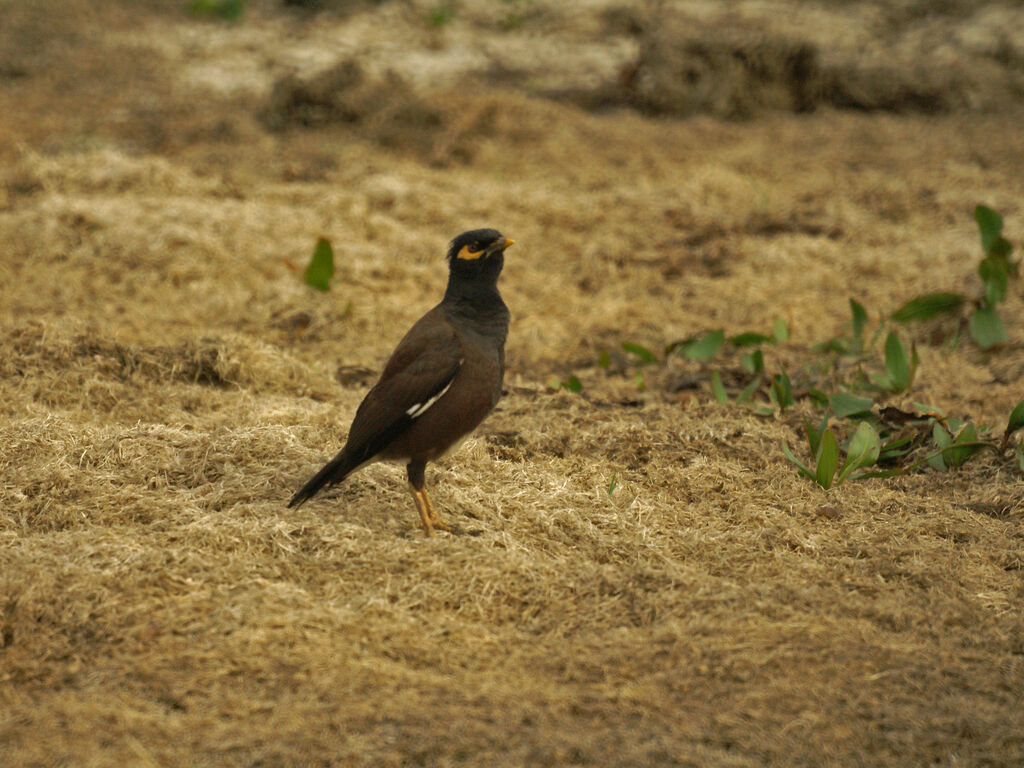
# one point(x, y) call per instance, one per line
point(735, 63)
point(384, 109)
point(166, 382)
point(344, 94)
point(732, 78)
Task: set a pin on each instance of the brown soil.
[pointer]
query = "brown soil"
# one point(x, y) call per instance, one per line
point(166, 383)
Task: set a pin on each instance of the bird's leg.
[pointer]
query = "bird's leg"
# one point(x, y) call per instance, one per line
point(428, 515)
point(421, 507)
point(436, 521)
point(414, 471)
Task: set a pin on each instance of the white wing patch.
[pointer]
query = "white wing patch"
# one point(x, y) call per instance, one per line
point(420, 408)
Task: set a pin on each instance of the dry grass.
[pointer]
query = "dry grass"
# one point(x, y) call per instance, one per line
point(166, 382)
point(736, 60)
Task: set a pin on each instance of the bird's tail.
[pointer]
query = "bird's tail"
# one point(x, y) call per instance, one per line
point(334, 471)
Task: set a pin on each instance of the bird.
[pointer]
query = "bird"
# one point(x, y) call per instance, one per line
point(439, 384)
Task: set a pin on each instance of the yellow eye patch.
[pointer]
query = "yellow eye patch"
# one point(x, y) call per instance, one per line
point(466, 253)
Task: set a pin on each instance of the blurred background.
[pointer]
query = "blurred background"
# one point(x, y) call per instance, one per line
point(738, 223)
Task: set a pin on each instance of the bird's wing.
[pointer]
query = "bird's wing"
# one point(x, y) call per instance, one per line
point(417, 374)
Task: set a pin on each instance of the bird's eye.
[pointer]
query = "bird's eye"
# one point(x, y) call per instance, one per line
point(476, 247)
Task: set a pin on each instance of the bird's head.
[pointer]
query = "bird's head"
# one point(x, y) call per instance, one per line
point(478, 252)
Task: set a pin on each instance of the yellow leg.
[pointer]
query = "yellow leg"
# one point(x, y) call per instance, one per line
point(435, 521)
point(428, 515)
point(421, 507)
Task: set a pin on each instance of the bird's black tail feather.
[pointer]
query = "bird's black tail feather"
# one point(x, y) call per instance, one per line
point(332, 472)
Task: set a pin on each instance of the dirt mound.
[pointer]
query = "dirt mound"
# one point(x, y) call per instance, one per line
point(727, 78)
point(736, 67)
point(387, 110)
point(344, 94)
point(231, 361)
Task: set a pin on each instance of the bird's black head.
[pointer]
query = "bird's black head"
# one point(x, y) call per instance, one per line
point(479, 253)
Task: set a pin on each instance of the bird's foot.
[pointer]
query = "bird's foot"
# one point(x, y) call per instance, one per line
point(428, 515)
point(441, 525)
point(433, 520)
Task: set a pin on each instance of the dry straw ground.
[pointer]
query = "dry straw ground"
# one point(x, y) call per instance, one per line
point(166, 383)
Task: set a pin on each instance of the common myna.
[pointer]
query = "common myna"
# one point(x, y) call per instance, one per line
point(441, 381)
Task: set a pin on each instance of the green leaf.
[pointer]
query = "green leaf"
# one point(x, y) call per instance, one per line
point(896, 448)
point(828, 460)
point(1001, 249)
point(897, 364)
point(717, 389)
point(814, 435)
point(991, 225)
point(942, 439)
point(995, 292)
point(845, 404)
point(963, 447)
point(753, 362)
point(860, 321)
point(441, 15)
point(705, 347)
point(835, 344)
point(969, 434)
point(321, 267)
point(224, 9)
point(749, 339)
point(572, 384)
point(1019, 453)
point(880, 473)
point(862, 451)
point(613, 484)
point(996, 277)
point(819, 397)
point(638, 379)
point(643, 353)
point(780, 331)
point(781, 392)
point(799, 464)
point(928, 306)
point(1016, 419)
point(604, 360)
point(986, 328)
point(882, 381)
point(763, 410)
point(748, 391)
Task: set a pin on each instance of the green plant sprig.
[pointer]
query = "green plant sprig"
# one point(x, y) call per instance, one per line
point(984, 324)
point(849, 368)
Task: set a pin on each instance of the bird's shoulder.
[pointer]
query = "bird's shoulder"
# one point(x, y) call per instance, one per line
point(430, 348)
